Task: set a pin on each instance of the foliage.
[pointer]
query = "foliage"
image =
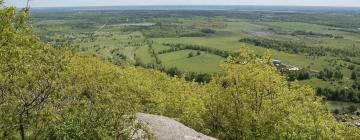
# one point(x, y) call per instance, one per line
point(178, 47)
point(198, 77)
point(300, 32)
point(296, 75)
point(251, 100)
point(353, 75)
point(328, 74)
point(208, 31)
point(174, 71)
point(347, 95)
point(352, 109)
point(52, 94)
point(191, 54)
point(356, 84)
point(298, 48)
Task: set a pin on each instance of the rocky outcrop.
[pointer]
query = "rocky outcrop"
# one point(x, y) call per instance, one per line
point(164, 128)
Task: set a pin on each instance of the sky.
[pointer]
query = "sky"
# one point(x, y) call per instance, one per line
point(75, 3)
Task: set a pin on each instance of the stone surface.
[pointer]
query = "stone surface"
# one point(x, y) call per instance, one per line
point(165, 128)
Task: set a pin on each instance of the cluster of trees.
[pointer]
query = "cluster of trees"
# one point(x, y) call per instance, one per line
point(118, 57)
point(311, 33)
point(347, 95)
point(200, 33)
point(49, 93)
point(356, 80)
point(208, 31)
point(176, 72)
point(192, 34)
point(198, 77)
point(154, 54)
point(328, 74)
point(350, 109)
point(356, 85)
point(191, 54)
point(289, 47)
point(297, 75)
point(297, 48)
point(178, 47)
point(354, 75)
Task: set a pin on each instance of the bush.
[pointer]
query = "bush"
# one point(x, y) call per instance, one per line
point(352, 109)
point(191, 54)
point(208, 31)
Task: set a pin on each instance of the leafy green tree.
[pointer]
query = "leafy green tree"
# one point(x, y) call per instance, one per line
point(26, 79)
point(47, 93)
point(251, 100)
point(191, 54)
point(174, 71)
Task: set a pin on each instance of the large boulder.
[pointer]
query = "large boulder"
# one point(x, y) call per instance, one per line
point(164, 128)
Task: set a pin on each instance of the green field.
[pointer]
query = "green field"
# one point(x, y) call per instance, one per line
point(205, 62)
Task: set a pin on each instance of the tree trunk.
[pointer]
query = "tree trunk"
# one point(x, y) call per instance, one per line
point(22, 127)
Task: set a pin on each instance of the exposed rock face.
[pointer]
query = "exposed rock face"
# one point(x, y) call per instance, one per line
point(165, 128)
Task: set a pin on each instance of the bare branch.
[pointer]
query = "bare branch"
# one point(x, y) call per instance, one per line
point(28, 4)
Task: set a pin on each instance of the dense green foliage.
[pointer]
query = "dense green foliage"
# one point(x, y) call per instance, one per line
point(178, 47)
point(328, 74)
point(296, 48)
point(252, 101)
point(296, 75)
point(53, 94)
point(343, 94)
point(306, 33)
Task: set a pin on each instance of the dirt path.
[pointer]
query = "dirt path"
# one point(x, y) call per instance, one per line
point(103, 26)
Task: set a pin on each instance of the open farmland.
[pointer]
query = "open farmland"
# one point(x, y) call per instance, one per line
point(324, 49)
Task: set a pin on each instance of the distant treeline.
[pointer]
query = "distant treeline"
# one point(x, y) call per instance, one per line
point(311, 33)
point(350, 60)
point(201, 33)
point(347, 95)
point(178, 47)
point(328, 75)
point(298, 48)
point(173, 71)
point(153, 54)
point(296, 75)
point(355, 31)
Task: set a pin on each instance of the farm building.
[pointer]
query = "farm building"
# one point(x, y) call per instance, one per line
point(280, 66)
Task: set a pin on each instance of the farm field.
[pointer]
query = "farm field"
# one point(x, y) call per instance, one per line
point(324, 52)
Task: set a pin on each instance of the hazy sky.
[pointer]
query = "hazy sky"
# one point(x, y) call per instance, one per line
point(57, 3)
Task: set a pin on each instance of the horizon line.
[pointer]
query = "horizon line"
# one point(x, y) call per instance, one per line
point(321, 6)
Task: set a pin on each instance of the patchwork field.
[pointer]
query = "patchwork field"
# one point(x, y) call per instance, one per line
point(194, 42)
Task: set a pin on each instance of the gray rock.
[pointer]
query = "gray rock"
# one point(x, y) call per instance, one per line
point(165, 128)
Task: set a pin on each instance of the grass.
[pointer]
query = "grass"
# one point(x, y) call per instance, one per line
point(159, 47)
point(204, 63)
point(143, 55)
